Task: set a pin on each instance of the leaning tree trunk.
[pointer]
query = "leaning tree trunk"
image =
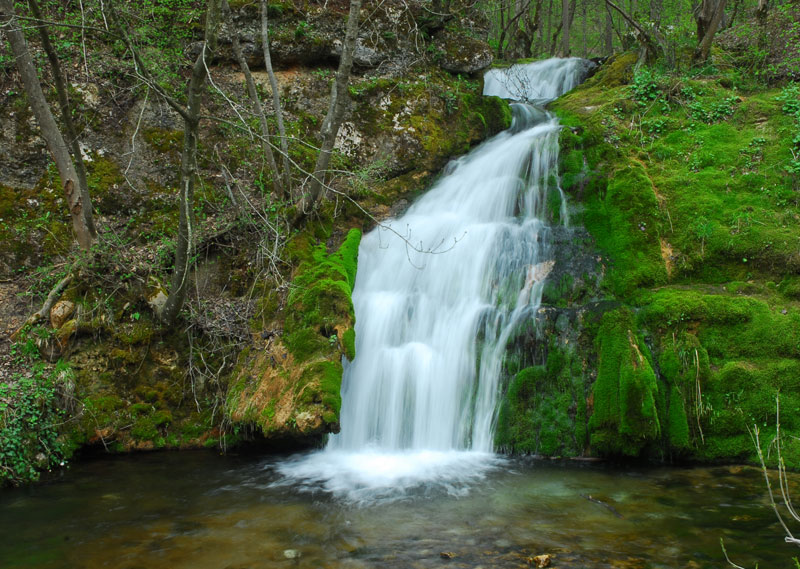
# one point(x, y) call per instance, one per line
point(704, 48)
point(652, 43)
point(703, 15)
point(66, 116)
point(79, 209)
point(277, 184)
point(334, 117)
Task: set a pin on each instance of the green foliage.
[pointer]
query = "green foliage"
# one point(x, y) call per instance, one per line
point(645, 87)
point(29, 416)
point(320, 298)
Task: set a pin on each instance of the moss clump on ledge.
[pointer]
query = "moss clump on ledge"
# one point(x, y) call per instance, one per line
point(544, 410)
point(625, 418)
point(291, 388)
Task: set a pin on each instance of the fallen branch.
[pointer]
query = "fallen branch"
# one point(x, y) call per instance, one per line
point(607, 506)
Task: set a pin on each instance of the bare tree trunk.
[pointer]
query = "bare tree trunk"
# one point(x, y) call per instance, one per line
point(184, 249)
point(278, 186)
point(609, 33)
point(511, 22)
point(704, 48)
point(334, 117)
point(565, 28)
point(190, 113)
point(703, 14)
point(276, 99)
point(49, 128)
point(652, 43)
point(503, 28)
point(535, 27)
point(762, 10)
point(66, 115)
point(549, 28)
point(656, 7)
point(585, 26)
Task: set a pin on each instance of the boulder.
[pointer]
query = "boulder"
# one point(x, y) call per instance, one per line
point(463, 54)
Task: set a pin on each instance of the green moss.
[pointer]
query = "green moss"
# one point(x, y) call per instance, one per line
point(349, 344)
point(106, 182)
point(139, 332)
point(140, 409)
point(625, 418)
point(543, 411)
point(320, 300)
point(623, 218)
point(677, 424)
point(163, 140)
point(328, 376)
point(144, 429)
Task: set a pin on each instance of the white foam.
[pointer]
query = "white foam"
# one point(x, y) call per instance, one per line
point(374, 476)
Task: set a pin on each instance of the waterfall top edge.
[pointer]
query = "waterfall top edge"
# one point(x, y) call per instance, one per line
point(538, 82)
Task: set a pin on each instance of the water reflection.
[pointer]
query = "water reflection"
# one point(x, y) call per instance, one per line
point(201, 511)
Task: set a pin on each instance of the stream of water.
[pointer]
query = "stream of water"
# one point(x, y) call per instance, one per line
point(197, 510)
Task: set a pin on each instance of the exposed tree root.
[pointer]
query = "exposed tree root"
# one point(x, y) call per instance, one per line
point(44, 311)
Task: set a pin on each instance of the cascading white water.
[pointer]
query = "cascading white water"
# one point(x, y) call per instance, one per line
point(435, 309)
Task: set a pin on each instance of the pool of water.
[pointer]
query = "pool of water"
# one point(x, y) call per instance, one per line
point(202, 511)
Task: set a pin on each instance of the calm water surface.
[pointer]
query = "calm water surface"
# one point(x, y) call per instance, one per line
point(201, 511)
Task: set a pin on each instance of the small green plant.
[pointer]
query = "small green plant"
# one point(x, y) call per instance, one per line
point(714, 112)
point(28, 418)
point(790, 97)
point(645, 87)
point(302, 30)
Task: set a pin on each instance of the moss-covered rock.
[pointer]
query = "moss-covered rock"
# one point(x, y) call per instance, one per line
point(290, 388)
point(682, 185)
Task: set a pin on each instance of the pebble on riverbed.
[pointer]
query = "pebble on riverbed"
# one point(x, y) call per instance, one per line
point(291, 554)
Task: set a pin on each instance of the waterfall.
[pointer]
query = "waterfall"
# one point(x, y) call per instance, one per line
point(437, 298)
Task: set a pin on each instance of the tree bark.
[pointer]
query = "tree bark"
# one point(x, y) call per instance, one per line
point(704, 48)
point(276, 98)
point(512, 21)
point(584, 26)
point(184, 249)
point(66, 116)
point(58, 147)
point(546, 37)
point(656, 7)
point(334, 117)
point(609, 33)
point(703, 15)
point(651, 43)
point(762, 10)
point(565, 28)
point(278, 186)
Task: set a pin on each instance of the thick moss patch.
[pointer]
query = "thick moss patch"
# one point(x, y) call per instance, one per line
point(291, 388)
point(687, 186)
point(544, 410)
point(624, 418)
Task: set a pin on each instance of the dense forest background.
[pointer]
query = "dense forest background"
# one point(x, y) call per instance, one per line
point(184, 184)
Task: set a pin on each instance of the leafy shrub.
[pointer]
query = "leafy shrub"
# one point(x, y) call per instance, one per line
point(28, 419)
